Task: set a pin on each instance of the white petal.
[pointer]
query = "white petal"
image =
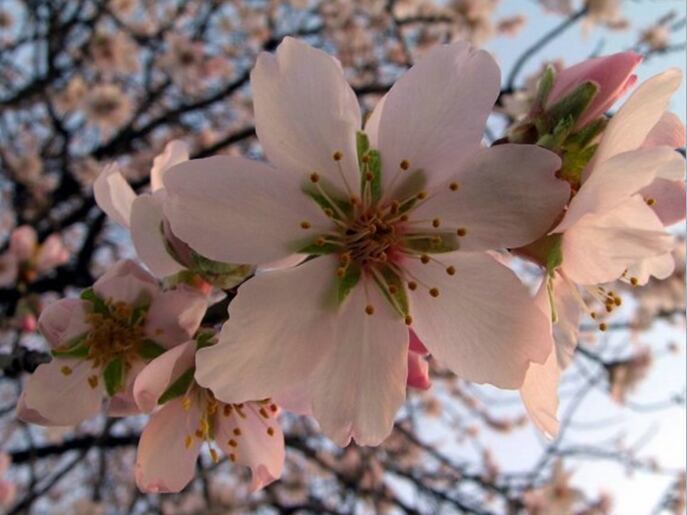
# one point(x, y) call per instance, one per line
point(114, 195)
point(239, 211)
point(539, 393)
point(434, 116)
point(507, 196)
point(176, 151)
point(669, 131)
point(305, 112)
point(661, 267)
point(149, 241)
point(483, 324)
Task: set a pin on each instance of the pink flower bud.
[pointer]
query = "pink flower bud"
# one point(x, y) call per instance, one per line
point(613, 74)
point(28, 323)
point(23, 242)
point(52, 253)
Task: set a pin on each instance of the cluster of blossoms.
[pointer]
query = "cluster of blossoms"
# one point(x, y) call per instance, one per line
point(359, 249)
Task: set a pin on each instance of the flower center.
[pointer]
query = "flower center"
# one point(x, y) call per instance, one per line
point(119, 333)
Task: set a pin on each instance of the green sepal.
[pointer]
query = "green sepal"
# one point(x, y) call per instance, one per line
point(150, 349)
point(556, 139)
point(411, 184)
point(362, 144)
point(75, 348)
point(336, 205)
point(178, 387)
point(222, 275)
point(574, 163)
point(138, 313)
point(573, 105)
point(544, 87)
point(586, 135)
point(319, 250)
point(373, 166)
point(554, 257)
point(99, 305)
point(449, 242)
point(346, 283)
point(398, 299)
point(113, 374)
point(205, 339)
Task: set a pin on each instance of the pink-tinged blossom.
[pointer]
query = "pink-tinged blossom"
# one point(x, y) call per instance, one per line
point(248, 433)
point(418, 367)
point(613, 74)
point(338, 320)
point(27, 260)
point(102, 340)
point(8, 490)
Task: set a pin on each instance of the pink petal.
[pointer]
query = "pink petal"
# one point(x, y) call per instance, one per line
point(123, 403)
point(23, 241)
point(483, 324)
point(126, 282)
point(305, 112)
point(163, 462)
point(669, 131)
point(599, 248)
point(539, 394)
point(9, 269)
point(175, 315)
point(282, 342)
point(114, 195)
point(146, 232)
point(266, 208)
point(161, 372)
point(64, 400)
point(52, 253)
point(508, 196)
point(418, 371)
point(176, 151)
point(416, 345)
point(259, 444)
point(630, 126)
point(434, 115)
point(613, 74)
point(670, 200)
point(661, 267)
point(63, 320)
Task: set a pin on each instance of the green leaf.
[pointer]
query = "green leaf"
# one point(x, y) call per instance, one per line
point(75, 348)
point(319, 250)
point(555, 140)
point(205, 339)
point(391, 281)
point(362, 144)
point(346, 283)
point(433, 243)
point(554, 258)
point(574, 104)
point(178, 387)
point(99, 305)
point(114, 376)
point(150, 349)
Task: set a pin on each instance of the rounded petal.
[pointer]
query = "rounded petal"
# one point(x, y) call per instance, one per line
point(23, 241)
point(280, 327)
point(613, 74)
point(175, 315)
point(51, 253)
point(126, 282)
point(114, 195)
point(507, 196)
point(620, 177)
point(164, 463)
point(149, 241)
point(63, 320)
point(661, 267)
point(669, 132)
point(59, 391)
point(566, 328)
point(258, 443)
point(9, 269)
point(539, 394)
point(669, 198)
point(359, 386)
point(305, 111)
point(373, 121)
point(630, 126)
point(483, 323)
point(123, 404)
point(435, 114)
point(599, 248)
point(31, 416)
point(176, 151)
point(239, 211)
point(161, 372)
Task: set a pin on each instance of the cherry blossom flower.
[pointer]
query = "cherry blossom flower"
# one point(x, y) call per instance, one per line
point(101, 341)
point(27, 260)
point(398, 241)
point(556, 497)
point(107, 107)
point(114, 53)
point(190, 416)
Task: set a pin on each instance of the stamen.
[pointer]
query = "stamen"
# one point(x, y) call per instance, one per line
point(434, 292)
point(337, 156)
point(93, 381)
point(369, 309)
point(412, 285)
point(314, 177)
point(214, 455)
point(453, 186)
point(408, 320)
point(67, 371)
point(603, 326)
point(451, 270)
point(424, 258)
point(651, 202)
point(237, 431)
point(188, 441)
point(232, 457)
point(461, 231)
point(305, 224)
point(232, 443)
point(270, 431)
point(436, 222)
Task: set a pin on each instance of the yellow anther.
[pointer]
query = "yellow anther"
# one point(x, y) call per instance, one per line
point(422, 195)
point(214, 455)
point(314, 177)
point(328, 212)
point(404, 165)
point(436, 223)
point(603, 326)
point(424, 258)
point(651, 201)
point(188, 441)
point(408, 320)
point(305, 224)
point(365, 159)
point(237, 431)
point(232, 443)
point(337, 156)
point(232, 458)
point(186, 403)
point(340, 272)
point(453, 186)
point(434, 292)
point(462, 231)
point(263, 413)
point(270, 431)
point(93, 381)
point(369, 177)
point(617, 301)
point(66, 370)
point(392, 289)
point(451, 270)
point(412, 285)
point(634, 281)
point(369, 309)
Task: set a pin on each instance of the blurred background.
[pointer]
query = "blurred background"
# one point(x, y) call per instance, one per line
point(84, 83)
